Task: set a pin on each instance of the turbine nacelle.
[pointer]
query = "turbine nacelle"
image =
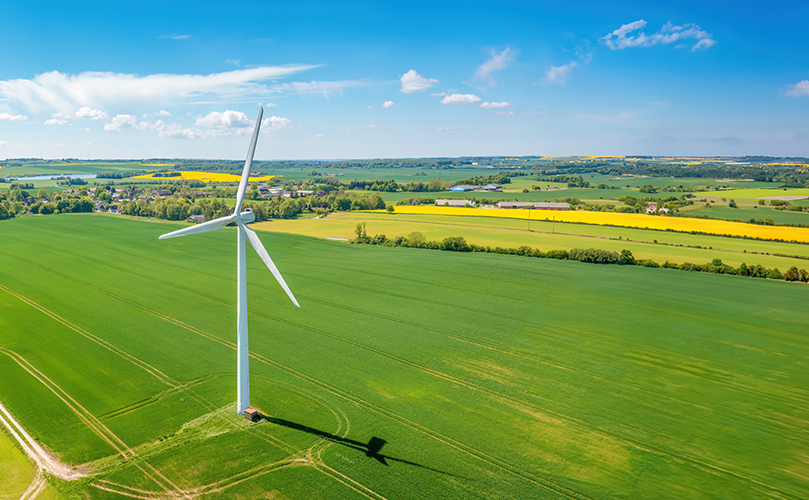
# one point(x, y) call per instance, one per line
point(247, 216)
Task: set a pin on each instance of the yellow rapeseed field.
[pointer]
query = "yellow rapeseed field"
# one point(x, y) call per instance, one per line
point(642, 221)
point(204, 177)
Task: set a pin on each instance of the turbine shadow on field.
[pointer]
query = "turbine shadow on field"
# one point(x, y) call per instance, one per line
point(371, 449)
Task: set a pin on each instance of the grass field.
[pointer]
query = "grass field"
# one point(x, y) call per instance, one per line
point(747, 213)
point(757, 193)
point(485, 375)
point(16, 472)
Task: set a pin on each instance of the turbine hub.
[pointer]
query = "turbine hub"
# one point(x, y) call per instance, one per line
point(247, 216)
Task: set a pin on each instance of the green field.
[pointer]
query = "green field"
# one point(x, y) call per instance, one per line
point(747, 213)
point(16, 472)
point(405, 374)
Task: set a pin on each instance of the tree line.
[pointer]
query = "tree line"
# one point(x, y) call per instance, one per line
point(589, 255)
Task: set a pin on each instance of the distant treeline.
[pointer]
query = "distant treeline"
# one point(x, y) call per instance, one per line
point(177, 207)
point(590, 255)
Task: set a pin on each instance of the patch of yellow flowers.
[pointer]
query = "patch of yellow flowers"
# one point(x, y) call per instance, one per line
point(202, 176)
point(642, 221)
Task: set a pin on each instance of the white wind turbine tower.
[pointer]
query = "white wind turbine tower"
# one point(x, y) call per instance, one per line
point(241, 219)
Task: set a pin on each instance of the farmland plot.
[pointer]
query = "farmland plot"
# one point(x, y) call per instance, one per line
point(405, 374)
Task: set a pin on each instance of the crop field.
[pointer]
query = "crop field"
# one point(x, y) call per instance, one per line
point(203, 176)
point(719, 227)
point(659, 246)
point(756, 193)
point(405, 374)
point(746, 213)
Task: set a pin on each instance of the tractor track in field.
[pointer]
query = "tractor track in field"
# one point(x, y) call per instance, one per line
point(155, 398)
point(94, 338)
point(678, 457)
point(95, 425)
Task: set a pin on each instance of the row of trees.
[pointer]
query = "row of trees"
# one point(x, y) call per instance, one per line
point(433, 185)
point(591, 255)
point(179, 208)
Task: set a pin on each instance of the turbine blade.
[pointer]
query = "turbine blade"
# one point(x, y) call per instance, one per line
point(257, 245)
point(249, 161)
point(211, 225)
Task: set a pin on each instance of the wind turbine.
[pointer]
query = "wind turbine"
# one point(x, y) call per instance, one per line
point(241, 219)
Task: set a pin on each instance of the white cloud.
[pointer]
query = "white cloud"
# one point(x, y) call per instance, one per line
point(496, 62)
point(318, 135)
point(276, 123)
point(460, 99)
point(270, 105)
point(558, 74)
point(388, 104)
point(224, 119)
point(99, 90)
point(119, 122)
point(443, 128)
point(235, 62)
point(373, 126)
point(175, 37)
point(91, 114)
point(177, 131)
point(495, 105)
point(12, 118)
point(669, 33)
point(800, 88)
point(438, 94)
point(58, 119)
point(414, 82)
point(162, 112)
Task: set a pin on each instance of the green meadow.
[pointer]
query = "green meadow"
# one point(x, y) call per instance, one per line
point(406, 373)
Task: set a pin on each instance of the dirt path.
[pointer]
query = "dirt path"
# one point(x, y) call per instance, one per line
point(44, 460)
point(35, 488)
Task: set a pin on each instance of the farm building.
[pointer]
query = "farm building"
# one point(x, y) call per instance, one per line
point(463, 187)
point(538, 205)
point(492, 187)
point(454, 203)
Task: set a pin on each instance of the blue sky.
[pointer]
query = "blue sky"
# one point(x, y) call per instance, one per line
point(403, 79)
